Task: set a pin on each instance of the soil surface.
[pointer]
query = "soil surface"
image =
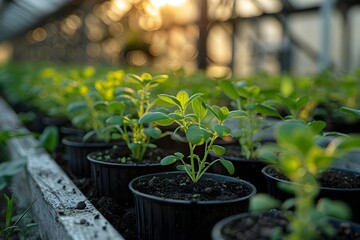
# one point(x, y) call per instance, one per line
point(331, 178)
point(180, 187)
point(120, 154)
point(260, 227)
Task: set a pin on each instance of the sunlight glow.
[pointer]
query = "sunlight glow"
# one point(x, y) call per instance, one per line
point(163, 3)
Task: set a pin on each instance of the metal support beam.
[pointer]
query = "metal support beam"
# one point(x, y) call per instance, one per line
point(325, 12)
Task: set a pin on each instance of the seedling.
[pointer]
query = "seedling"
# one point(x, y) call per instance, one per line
point(202, 125)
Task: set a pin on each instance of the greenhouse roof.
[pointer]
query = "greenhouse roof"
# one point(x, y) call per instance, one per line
point(17, 16)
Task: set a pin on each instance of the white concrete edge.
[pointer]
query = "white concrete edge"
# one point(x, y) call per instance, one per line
point(60, 209)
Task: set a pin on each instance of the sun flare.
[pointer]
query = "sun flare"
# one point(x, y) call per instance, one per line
point(163, 3)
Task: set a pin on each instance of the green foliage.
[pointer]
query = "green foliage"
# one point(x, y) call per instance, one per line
point(49, 138)
point(351, 111)
point(248, 99)
point(91, 110)
point(9, 168)
point(10, 227)
point(202, 125)
point(132, 102)
point(298, 155)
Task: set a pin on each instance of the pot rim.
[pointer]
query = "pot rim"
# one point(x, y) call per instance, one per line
point(115, 164)
point(189, 202)
point(321, 188)
point(216, 230)
point(68, 141)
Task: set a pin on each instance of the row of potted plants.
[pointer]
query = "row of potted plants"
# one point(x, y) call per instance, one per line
point(129, 113)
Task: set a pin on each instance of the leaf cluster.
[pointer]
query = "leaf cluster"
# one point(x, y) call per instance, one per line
point(132, 101)
point(301, 158)
point(191, 116)
point(251, 101)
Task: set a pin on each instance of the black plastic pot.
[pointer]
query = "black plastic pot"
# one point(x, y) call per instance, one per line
point(111, 179)
point(249, 170)
point(162, 218)
point(243, 226)
point(71, 131)
point(350, 196)
point(76, 152)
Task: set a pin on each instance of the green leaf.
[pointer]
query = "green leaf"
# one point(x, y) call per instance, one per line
point(183, 98)
point(262, 202)
point(351, 111)
point(146, 77)
point(212, 110)
point(134, 145)
point(170, 99)
point(183, 168)
point(267, 153)
point(222, 130)
point(116, 120)
point(124, 91)
point(165, 122)
point(332, 208)
point(116, 107)
point(301, 102)
point(267, 110)
point(218, 150)
point(196, 95)
point(168, 160)
point(237, 114)
point(160, 78)
point(198, 108)
point(179, 155)
point(288, 102)
point(80, 119)
point(154, 133)
point(151, 145)
point(49, 138)
point(100, 105)
point(348, 144)
point(317, 126)
point(196, 135)
point(223, 113)
point(135, 78)
point(228, 165)
point(76, 106)
point(9, 210)
point(175, 116)
point(242, 91)
point(6, 135)
point(296, 134)
point(152, 117)
point(229, 89)
point(10, 168)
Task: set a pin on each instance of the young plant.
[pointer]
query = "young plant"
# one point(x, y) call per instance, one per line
point(190, 114)
point(90, 113)
point(294, 105)
point(132, 102)
point(299, 156)
point(252, 126)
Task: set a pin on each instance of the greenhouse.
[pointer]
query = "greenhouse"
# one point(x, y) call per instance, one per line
point(179, 119)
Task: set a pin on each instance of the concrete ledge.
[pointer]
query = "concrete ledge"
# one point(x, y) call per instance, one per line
point(60, 209)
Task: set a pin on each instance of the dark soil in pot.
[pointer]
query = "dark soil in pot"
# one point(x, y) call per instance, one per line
point(259, 226)
point(112, 170)
point(331, 178)
point(180, 187)
point(336, 184)
point(171, 206)
point(249, 170)
point(76, 151)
